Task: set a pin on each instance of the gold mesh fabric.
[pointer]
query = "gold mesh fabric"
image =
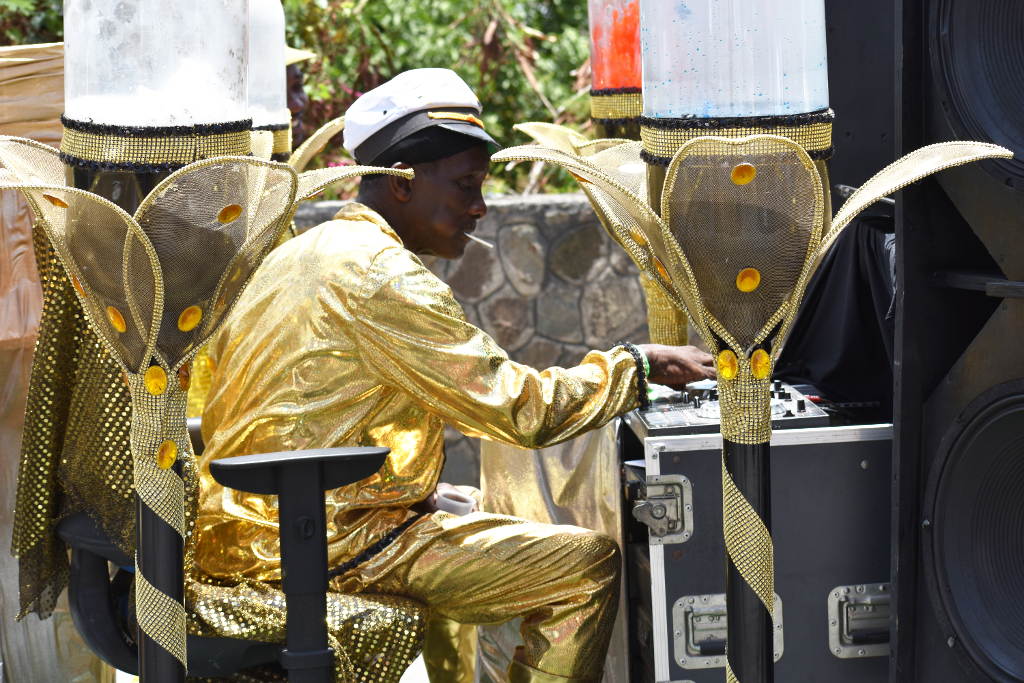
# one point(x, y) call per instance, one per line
point(771, 224)
point(156, 420)
point(231, 211)
point(75, 440)
point(117, 274)
point(31, 162)
point(375, 637)
point(902, 172)
point(616, 106)
point(311, 183)
point(283, 142)
point(93, 238)
point(666, 322)
point(160, 617)
point(171, 149)
point(815, 138)
point(745, 404)
point(748, 542)
point(620, 163)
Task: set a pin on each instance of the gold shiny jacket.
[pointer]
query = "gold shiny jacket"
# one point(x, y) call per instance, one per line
point(344, 338)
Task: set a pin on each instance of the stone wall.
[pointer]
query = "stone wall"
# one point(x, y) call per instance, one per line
point(554, 287)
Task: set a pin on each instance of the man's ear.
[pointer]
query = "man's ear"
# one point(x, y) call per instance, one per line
point(401, 188)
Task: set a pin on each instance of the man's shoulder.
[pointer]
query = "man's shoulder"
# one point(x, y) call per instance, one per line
point(339, 246)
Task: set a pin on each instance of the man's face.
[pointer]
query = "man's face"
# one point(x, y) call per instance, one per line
point(446, 202)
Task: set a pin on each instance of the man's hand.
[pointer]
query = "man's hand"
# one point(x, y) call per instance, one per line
point(676, 366)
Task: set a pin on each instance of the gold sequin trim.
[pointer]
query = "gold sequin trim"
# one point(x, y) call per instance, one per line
point(282, 141)
point(617, 106)
point(745, 406)
point(748, 542)
point(161, 617)
point(666, 322)
point(181, 150)
point(665, 142)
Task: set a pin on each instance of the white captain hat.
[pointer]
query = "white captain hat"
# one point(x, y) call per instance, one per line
point(408, 103)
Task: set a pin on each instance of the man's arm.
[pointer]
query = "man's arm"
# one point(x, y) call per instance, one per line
point(413, 333)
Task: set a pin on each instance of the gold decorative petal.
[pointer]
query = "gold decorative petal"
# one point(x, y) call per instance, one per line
point(551, 135)
point(312, 183)
point(31, 162)
point(301, 157)
point(904, 171)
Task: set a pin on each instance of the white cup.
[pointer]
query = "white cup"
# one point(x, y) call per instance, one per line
point(454, 502)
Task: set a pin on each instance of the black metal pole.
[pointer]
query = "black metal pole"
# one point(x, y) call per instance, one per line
point(627, 129)
point(750, 644)
point(160, 558)
point(655, 185)
point(303, 528)
point(159, 547)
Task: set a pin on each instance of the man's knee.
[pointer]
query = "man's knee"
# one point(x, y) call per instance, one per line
point(602, 557)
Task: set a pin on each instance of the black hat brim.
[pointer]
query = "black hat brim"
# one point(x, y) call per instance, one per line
point(380, 142)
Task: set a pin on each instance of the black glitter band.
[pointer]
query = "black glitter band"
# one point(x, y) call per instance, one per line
point(654, 160)
point(272, 126)
point(281, 157)
point(374, 549)
point(785, 120)
point(157, 131)
point(118, 166)
point(598, 92)
point(616, 122)
point(641, 375)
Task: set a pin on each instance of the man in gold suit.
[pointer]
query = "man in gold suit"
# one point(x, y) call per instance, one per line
point(343, 337)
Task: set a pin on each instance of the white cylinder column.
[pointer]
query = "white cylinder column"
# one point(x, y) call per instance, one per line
point(155, 62)
point(733, 58)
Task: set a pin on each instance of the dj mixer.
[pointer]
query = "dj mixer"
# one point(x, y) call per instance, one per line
point(696, 411)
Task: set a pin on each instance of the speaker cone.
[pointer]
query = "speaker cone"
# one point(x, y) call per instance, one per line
point(978, 55)
point(975, 549)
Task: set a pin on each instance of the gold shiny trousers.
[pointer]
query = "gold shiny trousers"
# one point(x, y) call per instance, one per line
point(563, 581)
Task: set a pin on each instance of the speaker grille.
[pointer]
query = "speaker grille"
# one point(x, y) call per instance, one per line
point(978, 549)
point(978, 47)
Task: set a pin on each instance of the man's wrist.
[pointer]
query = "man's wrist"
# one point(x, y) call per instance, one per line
point(642, 371)
point(647, 363)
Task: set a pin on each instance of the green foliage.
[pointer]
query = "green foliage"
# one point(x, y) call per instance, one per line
point(526, 60)
point(30, 21)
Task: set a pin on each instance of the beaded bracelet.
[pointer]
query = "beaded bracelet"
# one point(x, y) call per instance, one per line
point(642, 370)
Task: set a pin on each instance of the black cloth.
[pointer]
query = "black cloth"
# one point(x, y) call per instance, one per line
point(842, 340)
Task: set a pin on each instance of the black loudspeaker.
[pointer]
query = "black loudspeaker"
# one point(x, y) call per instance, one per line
point(861, 80)
point(958, 553)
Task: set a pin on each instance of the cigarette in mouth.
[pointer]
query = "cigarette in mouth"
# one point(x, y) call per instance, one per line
point(480, 241)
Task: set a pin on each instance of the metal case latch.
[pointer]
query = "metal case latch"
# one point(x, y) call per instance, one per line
point(667, 508)
point(858, 620)
point(699, 631)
